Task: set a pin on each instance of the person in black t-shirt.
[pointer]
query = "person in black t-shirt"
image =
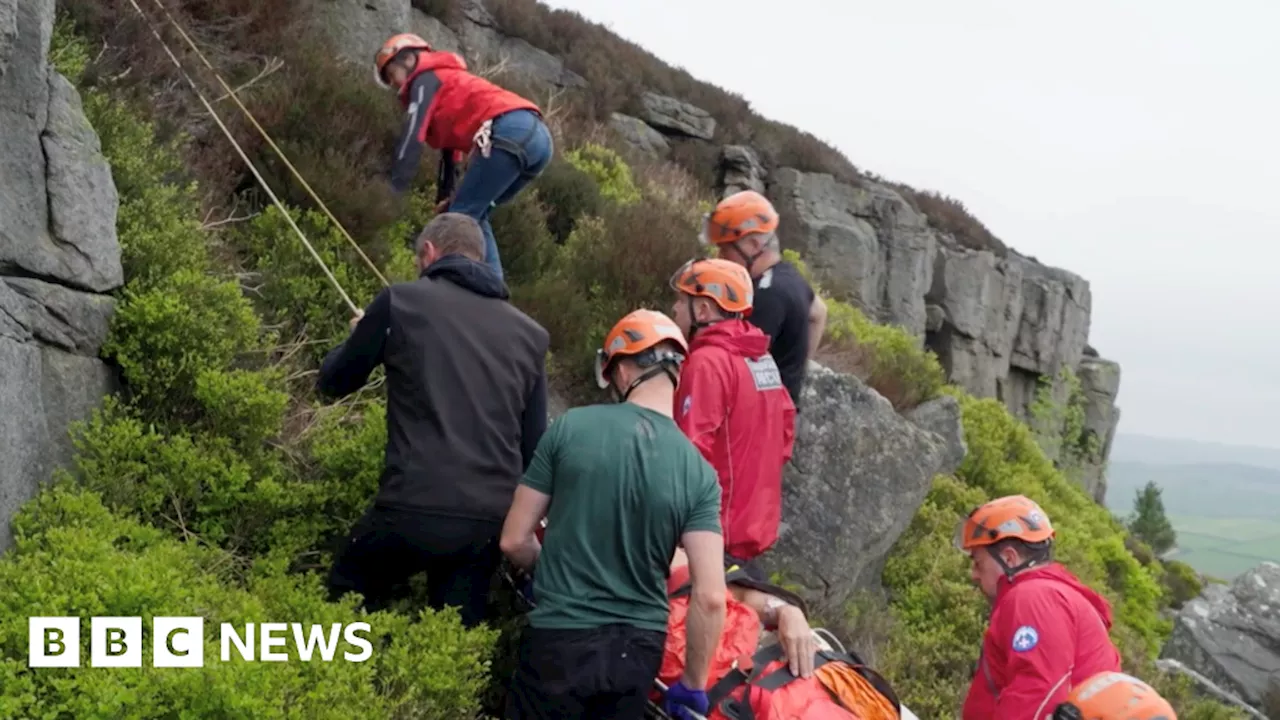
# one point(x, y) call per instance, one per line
point(743, 228)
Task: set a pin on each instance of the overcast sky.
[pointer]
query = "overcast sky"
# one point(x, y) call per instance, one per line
point(1134, 143)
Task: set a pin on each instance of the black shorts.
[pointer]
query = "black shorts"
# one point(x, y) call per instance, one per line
point(605, 673)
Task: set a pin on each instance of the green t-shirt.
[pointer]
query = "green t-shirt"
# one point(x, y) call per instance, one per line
point(625, 484)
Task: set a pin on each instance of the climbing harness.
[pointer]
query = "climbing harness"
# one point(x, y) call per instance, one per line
point(243, 156)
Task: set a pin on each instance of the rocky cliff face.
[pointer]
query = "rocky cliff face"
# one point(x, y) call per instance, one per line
point(998, 321)
point(58, 256)
point(1231, 634)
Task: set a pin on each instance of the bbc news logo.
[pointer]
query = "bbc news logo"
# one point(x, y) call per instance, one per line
point(178, 642)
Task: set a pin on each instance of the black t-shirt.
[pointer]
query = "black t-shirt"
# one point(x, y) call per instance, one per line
point(781, 311)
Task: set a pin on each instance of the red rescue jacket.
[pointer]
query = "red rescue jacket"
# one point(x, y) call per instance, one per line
point(732, 404)
point(461, 105)
point(1048, 631)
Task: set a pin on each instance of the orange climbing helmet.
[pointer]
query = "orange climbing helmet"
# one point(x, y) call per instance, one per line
point(737, 216)
point(726, 283)
point(637, 335)
point(1013, 516)
point(393, 47)
point(1114, 696)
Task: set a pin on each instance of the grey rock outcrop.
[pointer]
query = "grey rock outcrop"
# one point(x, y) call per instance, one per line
point(676, 116)
point(1231, 633)
point(1100, 382)
point(864, 242)
point(485, 45)
point(359, 27)
point(858, 474)
point(999, 324)
point(981, 300)
point(639, 135)
point(58, 252)
point(1208, 688)
point(740, 169)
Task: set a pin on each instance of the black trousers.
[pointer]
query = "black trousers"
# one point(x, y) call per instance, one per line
point(605, 673)
point(389, 545)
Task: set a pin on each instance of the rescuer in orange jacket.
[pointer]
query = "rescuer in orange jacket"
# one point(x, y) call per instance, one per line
point(732, 403)
point(458, 113)
point(1047, 632)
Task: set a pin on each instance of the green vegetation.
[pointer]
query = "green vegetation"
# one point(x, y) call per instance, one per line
point(217, 483)
point(1057, 421)
point(1149, 523)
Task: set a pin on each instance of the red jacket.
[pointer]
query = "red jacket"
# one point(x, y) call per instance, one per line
point(1048, 632)
point(732, 404)
point(461, 103)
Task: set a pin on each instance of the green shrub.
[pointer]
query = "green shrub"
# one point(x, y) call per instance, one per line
point(569, 193)
point(164, 337)
point(610, 172)
point(185, 482)
point(75, 558)
point(1181, 581)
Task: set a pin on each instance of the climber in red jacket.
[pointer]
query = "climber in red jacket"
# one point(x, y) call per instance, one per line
point(1047, 632)
point(458, 113)
point(732, 403)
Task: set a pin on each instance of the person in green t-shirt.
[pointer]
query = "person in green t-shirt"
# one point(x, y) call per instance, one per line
point(621, 488)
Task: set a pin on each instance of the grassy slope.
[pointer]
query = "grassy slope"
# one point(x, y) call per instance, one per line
point(220, 444)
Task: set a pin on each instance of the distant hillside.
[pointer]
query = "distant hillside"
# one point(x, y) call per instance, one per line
point(1129, 447)
point(1201, 489)
point(1227, 515)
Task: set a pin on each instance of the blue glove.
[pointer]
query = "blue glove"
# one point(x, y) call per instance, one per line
point(680, 699)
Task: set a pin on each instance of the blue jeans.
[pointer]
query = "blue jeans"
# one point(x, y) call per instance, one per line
point(521, 149)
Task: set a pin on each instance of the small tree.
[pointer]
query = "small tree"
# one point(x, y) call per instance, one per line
point(1149, 523)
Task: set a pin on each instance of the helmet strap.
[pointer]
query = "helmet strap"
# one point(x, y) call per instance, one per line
point(664, 363)
point(750, 258)
point(1009, 572)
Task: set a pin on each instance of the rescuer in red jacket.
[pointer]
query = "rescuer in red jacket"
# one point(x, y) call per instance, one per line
point(1047, 632)
point(458, 113)
point(731, 402)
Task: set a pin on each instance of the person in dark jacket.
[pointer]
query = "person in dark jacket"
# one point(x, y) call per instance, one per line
point(466, 406)
point(459, 113)
point(743, 227)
